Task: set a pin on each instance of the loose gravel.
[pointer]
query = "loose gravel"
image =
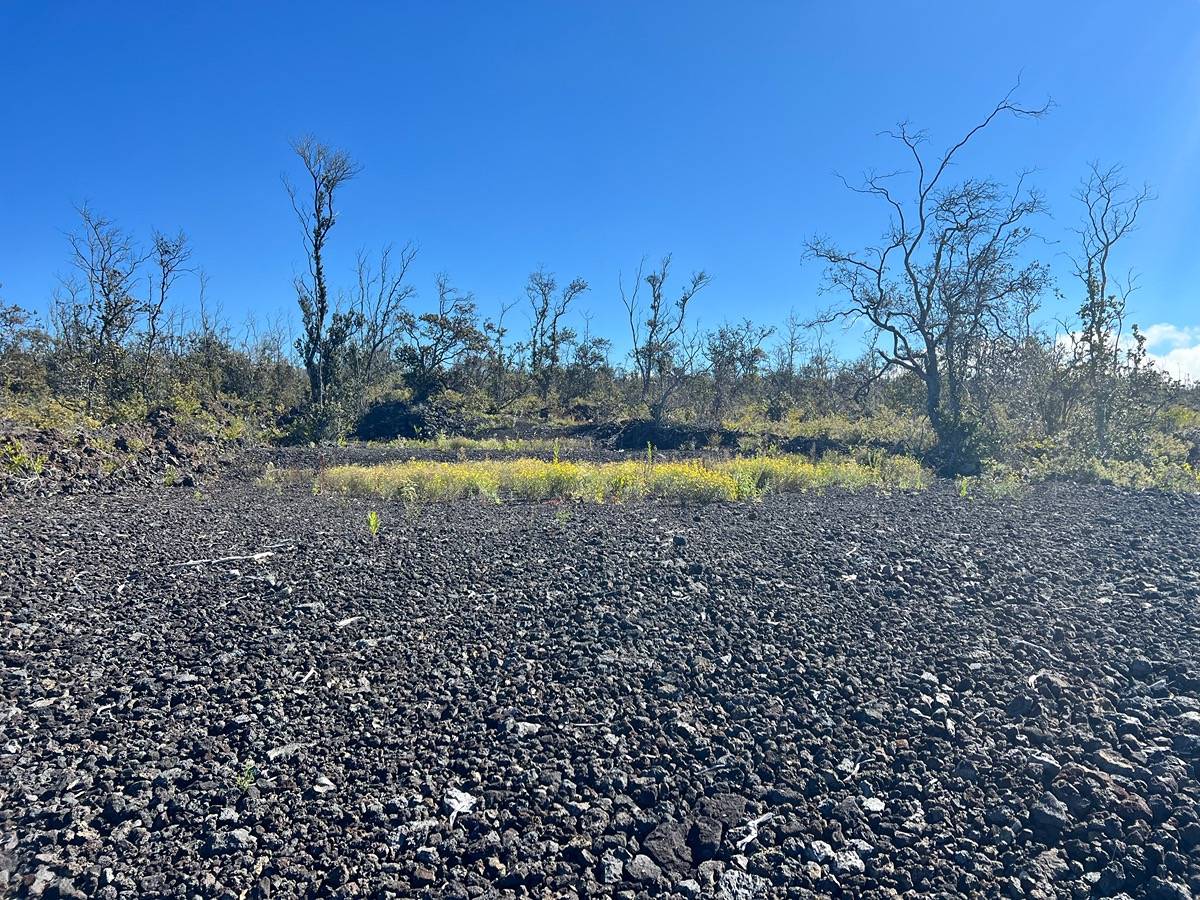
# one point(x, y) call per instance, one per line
point(245, 694)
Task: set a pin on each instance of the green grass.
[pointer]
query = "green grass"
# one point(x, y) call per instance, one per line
point(15, 459)
point(741, 479)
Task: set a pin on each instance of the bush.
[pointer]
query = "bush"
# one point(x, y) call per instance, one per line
point(1163, 462)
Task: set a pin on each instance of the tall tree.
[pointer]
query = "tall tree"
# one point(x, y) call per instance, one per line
point(1110, 213)
point(327, 170)
point(940, 284)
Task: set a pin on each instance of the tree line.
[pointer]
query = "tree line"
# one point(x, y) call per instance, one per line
point(950, 295)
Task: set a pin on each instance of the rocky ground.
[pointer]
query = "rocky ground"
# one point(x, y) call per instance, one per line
point(242, 693)
point(38, 461)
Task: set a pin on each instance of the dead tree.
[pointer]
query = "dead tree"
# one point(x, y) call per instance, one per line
point(377, 311)
point(663, 352)
point(327, 169)
point(940, 282)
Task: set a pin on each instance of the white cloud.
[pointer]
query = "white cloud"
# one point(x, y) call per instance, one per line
point(1182, 362)
point(1166, 334)
point(1175, 349)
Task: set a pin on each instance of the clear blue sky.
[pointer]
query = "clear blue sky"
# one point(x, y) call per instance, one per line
point(580, 136)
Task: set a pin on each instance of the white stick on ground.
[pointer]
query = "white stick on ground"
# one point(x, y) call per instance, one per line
point(752, 827)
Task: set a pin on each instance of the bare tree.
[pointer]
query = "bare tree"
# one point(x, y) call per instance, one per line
point(949, 266)
point(103, 309)
point(377, 310)
point(663, 352)
point(327, 170)
point(547, 335)
point(1110, 213)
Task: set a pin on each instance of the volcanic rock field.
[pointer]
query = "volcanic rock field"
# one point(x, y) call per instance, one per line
point(242, 693)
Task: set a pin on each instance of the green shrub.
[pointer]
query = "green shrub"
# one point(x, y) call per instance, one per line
point(16, 460)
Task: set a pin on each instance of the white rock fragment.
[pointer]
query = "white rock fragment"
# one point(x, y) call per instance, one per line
point(522, 729)
point(459, 802)
point(847, 862)
point(284, 752)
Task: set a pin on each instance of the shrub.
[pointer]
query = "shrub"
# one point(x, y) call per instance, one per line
point(1161, 463)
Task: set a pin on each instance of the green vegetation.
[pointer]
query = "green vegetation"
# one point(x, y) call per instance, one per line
point(273, 478)
point(969, 382)
point(246, 778)
point(1160, 468)
point(741, 479)
point(883, 427)
point(17, 461)
point(373, 523)
point(45, 412)
point(991, 486)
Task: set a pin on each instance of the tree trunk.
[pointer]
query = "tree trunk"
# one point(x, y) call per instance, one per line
point(933, 394)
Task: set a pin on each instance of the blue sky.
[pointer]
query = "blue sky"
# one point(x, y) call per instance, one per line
point(580, 136)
